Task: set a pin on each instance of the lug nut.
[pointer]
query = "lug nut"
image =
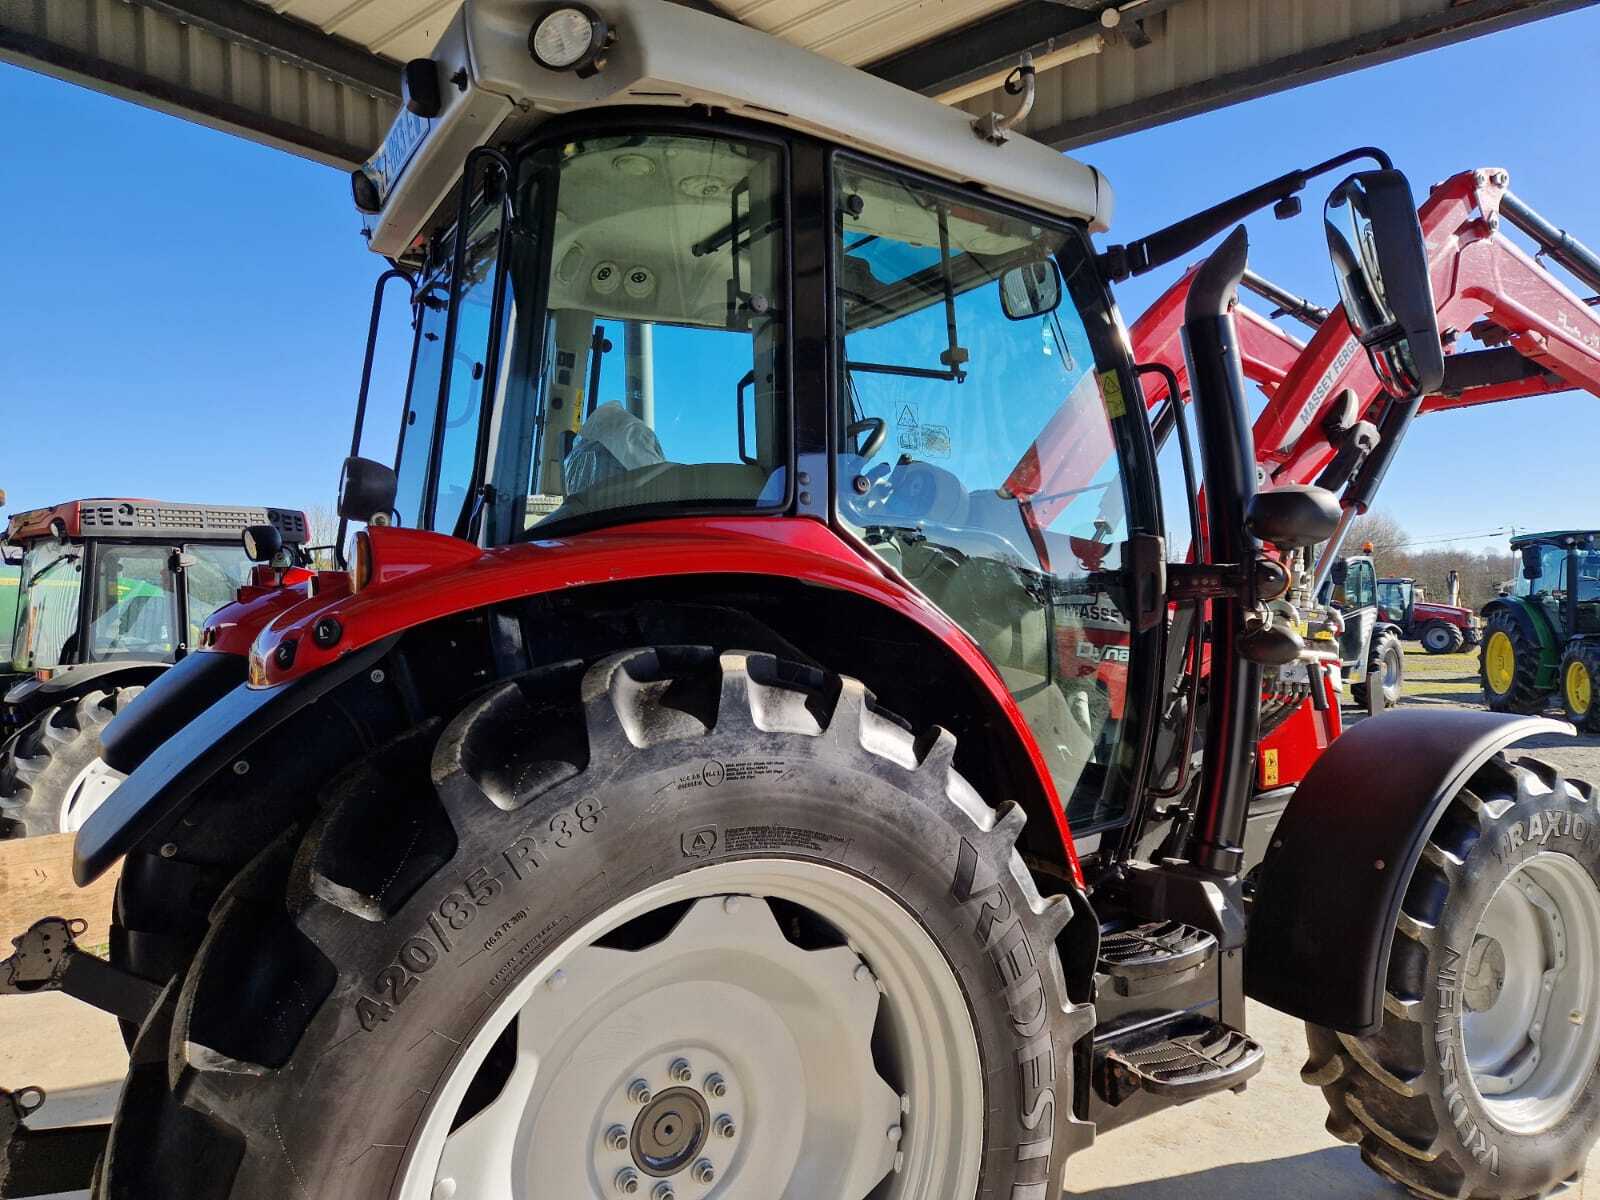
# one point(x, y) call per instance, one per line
point(664, 1191)
point(724, 1126)
point(617, 1138)
point(703, 1171)
point(894, 1134)
point(716, 1085)
point(680, 1070)
point(639, 1092)
point(627, 1181)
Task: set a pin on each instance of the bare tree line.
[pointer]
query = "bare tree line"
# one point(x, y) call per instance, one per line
point(1482, 573)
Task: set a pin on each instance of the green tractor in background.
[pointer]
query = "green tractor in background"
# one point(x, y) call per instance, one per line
point(1545, 636)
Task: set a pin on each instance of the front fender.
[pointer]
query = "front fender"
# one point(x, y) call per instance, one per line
point(1324, 916)
point(175, 768)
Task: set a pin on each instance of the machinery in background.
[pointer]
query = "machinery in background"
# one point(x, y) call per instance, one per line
point(103, 596)
point(1441, 628)
point(1545, 636)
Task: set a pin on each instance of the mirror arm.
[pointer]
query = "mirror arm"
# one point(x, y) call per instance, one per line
point(1179, 238)
point(394, 272)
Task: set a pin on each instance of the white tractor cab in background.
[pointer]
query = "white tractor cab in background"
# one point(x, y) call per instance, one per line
point(710, 779)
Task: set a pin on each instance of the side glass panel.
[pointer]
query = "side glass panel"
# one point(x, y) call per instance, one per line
point(10, 577)
point(454, 430)
point(1363, 584)
point(132, 607)
point(211, 580)
point(47, 620)
point(463, 405)
point(416, 427)
point(651, 377)
point(996, 486)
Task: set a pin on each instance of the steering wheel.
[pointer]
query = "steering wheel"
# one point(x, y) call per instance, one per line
point(874, 442)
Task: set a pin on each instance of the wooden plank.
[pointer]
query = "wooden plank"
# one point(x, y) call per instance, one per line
point(36, 881)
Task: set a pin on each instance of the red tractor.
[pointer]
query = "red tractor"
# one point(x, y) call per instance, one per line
point(697, 785)
point(1441, 628)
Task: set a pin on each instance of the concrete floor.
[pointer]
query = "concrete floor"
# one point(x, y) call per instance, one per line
point(1267, 1144)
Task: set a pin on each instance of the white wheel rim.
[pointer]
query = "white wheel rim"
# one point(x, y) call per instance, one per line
point(1391, 671)
point(796, 1036)
point(1436, 638)
point(1530, 986)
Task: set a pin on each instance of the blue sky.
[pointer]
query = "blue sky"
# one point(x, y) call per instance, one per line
point(187, 310)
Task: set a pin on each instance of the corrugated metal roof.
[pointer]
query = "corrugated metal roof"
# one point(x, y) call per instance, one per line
point(397, 29)
point(318, 76)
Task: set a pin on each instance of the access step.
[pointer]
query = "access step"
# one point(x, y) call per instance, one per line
point(1208, 1058)
point(1150, 958)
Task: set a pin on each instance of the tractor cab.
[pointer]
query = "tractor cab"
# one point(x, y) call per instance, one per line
point(98, 598)
point(1544, 636)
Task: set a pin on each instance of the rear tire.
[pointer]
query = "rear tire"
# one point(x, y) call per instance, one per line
point(1580, 676)
point(1445, 1099)
point(564, 827)
point(1441, 637)
point(42, 761)
point(1513, 690)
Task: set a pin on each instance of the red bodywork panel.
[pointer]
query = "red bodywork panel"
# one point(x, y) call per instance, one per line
point(36, 522)
point(1425, 610)
point(420, 577)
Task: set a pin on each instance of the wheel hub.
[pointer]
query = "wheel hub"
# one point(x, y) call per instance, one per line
point(670, 1132)
point(1485, 975)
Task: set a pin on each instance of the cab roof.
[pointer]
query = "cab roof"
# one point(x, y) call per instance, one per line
point(111, 517)
point(1559, 536)
point(670, 56)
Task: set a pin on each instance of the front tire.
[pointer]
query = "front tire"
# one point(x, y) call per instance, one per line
point(1482, 1082)
point(513, 954)
point(1385, 680)
point(1580, 673)
point(41, 762)
point(1441, 637)
point(1508, 667)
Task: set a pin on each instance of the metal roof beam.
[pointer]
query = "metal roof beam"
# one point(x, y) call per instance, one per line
point(294, 42)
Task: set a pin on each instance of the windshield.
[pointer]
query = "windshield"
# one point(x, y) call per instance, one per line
point(47, 611)
point(132, 607)
point(642, 366)
point(1393, 597)
point(982, 396)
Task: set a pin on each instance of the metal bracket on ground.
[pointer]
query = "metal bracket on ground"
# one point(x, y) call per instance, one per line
point(43, 1162)
point(47, 959)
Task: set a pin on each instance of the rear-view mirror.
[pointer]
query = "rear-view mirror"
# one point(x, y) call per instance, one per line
point(1030, 290)
point(1532, 567)
point(366, 490)
point(1381, 265)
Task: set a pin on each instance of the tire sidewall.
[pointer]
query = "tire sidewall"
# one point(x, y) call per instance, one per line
point(667, 811)
point(1554, 822)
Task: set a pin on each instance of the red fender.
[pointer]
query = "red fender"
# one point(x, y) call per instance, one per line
point(420, 577)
